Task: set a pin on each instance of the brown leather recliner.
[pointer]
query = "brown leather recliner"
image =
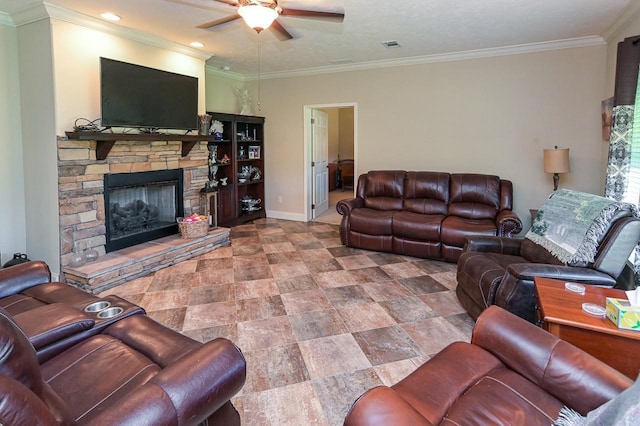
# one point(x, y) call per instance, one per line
point(134, 372)
point(426, 214)
point(500, 271)
point(26, 292)
point(511, 373)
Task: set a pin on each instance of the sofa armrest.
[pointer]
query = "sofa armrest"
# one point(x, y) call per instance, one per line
point(345, 207)
point(19, 277)
point(579, 380)
point(186, 392)
point(499, 245)
point(508, 223)
point(383, 405)
point(50, 323)
point(528, 271)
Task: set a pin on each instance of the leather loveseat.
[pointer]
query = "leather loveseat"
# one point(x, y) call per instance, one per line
point(512, 373)
point(426, 214)
point(124, 369)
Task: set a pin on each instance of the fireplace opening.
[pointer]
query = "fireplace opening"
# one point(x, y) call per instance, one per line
point(141, 207)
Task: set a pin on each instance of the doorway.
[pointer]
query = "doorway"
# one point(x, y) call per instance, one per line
point(325, 158)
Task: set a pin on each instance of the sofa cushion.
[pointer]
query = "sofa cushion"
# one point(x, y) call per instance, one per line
point(383, 190)
point(426, 192)
point(456, 230)
point(371, 221)
point(416, 226)
point(474, 196)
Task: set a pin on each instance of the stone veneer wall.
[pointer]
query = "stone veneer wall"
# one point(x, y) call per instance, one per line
point(81, 183)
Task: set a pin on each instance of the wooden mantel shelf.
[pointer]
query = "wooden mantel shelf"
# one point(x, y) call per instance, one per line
point(105, 141)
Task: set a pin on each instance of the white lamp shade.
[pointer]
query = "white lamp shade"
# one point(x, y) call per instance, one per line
point(257, 17)
point(556, 160)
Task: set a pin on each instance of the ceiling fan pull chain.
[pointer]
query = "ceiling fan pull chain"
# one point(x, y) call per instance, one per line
point(259, 91)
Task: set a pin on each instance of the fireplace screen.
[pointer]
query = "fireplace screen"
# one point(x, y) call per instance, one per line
point(141, 207)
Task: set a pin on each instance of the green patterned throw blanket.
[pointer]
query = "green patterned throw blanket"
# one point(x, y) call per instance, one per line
point(570, 224)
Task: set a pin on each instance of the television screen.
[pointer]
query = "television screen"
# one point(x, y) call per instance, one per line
point(136, 96)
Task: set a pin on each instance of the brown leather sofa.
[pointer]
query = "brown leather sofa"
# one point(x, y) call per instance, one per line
point(512, 373)
point(500, 271)
point(426, 214)
point(128, 369)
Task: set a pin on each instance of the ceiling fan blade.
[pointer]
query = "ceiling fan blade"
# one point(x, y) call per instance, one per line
point(229, 2)
point(217, 22)
point(313, 14)
point(280, 31)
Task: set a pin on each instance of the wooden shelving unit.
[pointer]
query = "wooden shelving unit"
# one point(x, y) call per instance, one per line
point(243, 142)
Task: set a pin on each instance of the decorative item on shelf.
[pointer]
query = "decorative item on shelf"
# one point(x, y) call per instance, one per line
point(254, 152)
point(250, 204)
point(204, 121)
point(255, 173)
point(556, 161)
point(77, 256)
point(244, 174)
point(242, 153)
point(217, 129)
point(194, 226)
point(91, 254)
point(225, 159)
point(223, 181)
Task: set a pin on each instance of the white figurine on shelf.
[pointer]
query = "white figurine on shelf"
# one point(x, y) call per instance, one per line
point(245, 100)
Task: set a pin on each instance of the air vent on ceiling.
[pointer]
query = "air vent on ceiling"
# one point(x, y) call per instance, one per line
point(390, 43)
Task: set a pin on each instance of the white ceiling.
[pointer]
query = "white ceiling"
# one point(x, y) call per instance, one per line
point(423, 28)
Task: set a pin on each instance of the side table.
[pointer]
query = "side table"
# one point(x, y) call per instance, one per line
point(560, 312)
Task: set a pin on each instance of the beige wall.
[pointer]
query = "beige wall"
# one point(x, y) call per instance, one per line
point(12, 206)
point(346, 133)
point(219, 93)
point(492, 115)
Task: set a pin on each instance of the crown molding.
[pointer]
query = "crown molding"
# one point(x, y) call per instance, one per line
point(5, 19)
point(445, 57)
point(45, 10)
point(222, 73)
point(628, 15)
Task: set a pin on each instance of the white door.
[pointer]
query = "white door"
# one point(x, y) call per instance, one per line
point(320, 161)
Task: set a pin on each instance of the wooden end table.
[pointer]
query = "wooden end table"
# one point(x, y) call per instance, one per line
point(561, 313)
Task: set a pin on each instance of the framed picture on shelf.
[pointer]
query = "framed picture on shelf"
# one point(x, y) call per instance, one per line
point(254, 152)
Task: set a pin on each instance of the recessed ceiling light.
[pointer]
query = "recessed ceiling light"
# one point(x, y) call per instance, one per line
point(390, 43)
point(110, 16)
point(226, 67)
point(197, 44)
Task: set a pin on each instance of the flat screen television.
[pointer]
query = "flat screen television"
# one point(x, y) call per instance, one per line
point(136, 96)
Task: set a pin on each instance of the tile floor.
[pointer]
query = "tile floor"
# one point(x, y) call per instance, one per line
point(318, 323)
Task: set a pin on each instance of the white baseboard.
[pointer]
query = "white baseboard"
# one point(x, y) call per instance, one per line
point(298, 217)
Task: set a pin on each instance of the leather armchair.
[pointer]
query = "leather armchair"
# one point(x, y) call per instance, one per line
point(500, 271)
point(52, 314)
point(134, 372)
point(511, 373)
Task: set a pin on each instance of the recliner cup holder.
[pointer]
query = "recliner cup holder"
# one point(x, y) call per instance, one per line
point(97, 306)
point(110, 312)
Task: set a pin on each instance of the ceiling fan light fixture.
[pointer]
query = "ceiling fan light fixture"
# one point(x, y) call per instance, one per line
point(257, 16)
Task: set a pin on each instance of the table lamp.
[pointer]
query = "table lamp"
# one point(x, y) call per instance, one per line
point(556, 161)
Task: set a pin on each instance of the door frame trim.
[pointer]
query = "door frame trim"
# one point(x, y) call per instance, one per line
point(308, 152)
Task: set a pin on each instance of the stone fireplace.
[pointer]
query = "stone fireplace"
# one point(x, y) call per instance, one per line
point(84, 199)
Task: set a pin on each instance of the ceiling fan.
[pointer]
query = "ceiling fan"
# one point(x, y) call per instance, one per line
point(262, 14)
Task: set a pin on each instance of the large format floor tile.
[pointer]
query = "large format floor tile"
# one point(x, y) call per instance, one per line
point(319, 323)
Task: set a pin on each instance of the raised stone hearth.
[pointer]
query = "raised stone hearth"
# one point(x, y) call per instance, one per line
point(124, 265)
